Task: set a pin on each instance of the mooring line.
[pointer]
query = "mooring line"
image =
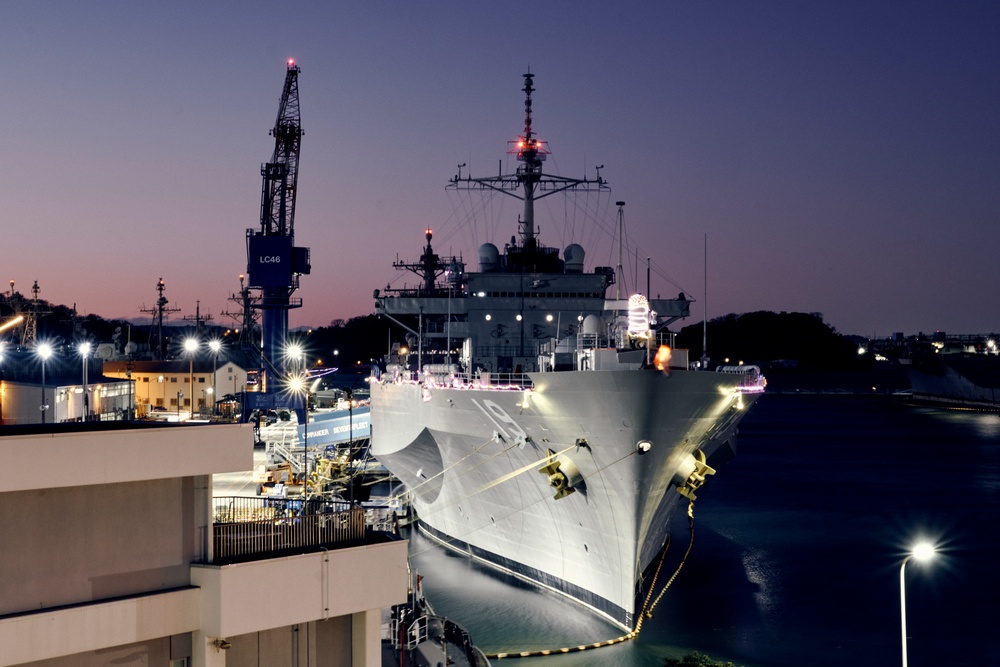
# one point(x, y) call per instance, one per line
point(647, 612)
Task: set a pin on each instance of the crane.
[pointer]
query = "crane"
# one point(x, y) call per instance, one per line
point(274, 263)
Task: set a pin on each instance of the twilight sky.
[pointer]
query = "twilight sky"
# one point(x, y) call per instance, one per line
point(841, 157)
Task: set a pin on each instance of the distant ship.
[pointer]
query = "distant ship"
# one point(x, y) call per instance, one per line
point(957, 371)
point(540, 426)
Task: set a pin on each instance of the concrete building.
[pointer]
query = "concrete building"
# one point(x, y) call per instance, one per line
point(113, 556)
point(68, 386)
point(166, 385)
point(20, 402)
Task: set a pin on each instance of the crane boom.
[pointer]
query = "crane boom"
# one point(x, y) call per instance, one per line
point(281, 173)
point(274, 263)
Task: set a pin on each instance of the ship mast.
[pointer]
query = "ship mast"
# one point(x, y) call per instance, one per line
point(528, 182)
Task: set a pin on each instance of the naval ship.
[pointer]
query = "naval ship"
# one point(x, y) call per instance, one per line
point(542, 422)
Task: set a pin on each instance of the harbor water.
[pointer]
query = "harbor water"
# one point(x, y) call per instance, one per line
point(797, 550)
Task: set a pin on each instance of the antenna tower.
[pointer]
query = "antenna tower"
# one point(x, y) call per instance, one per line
point(158, 311)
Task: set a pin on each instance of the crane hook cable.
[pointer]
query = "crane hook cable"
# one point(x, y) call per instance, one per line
point(647, 612)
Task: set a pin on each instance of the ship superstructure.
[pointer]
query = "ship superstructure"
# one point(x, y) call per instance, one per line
point(539, 425)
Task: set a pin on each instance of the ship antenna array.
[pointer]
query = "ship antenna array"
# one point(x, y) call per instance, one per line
point(528, 183)
point(26, 315)
point(197, 318)
point(158, 311)
point(245, 316)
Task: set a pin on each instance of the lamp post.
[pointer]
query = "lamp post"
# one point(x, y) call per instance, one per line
point(84, 349)
point(191, 346)
point(350, 440)
point(44, 351)
point(298, 383)
point(298, 387)
point(922, 551)
point(214, 346)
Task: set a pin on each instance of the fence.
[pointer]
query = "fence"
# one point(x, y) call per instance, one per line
point(252, 526)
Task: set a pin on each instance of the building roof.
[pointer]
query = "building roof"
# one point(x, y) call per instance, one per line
point(173, 367)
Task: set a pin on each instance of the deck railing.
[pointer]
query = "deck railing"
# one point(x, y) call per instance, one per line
point(244, 527)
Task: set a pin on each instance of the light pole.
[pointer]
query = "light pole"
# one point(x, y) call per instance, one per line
point(44, 351)
point(84, 349)
point(214, 346)
point(298, 387)
point(191, 346)
point(922, 551)
point(350, 440)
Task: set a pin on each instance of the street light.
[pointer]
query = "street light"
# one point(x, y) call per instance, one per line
point(297, 385)
point(295, 352)
point(44, 351)
point(214, 346)
point(190, 346)
point(84, 349)
point(922, 551)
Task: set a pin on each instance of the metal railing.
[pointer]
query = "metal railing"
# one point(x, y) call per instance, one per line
point(244, 527)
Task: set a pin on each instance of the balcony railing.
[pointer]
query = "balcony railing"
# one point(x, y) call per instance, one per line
point(248, 527)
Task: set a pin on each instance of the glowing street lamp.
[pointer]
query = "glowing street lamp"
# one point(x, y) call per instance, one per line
point(922, 551)
point(295, 352)
point(214, 346)
point(190, 346)
point(84, 350)
point(298, 386)
point(44, 351)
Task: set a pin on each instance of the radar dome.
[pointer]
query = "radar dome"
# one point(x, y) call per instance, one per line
point(489, 258)
point(574, 255)
point(592, 324)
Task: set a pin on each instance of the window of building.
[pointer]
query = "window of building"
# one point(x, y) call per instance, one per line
point(173, 379)
point(145, 379)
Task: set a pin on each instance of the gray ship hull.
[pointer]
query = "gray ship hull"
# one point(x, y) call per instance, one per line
point(470, 456)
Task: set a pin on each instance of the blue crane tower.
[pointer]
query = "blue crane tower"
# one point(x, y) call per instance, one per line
point(274, 263)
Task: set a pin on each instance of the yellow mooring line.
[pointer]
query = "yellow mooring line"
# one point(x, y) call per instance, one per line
point(647, 609)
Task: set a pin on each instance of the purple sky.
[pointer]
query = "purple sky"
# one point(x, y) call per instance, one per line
point(842, 158)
